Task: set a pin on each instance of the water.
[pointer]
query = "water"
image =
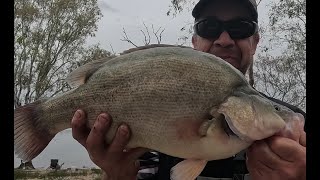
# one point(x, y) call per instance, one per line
point(64, 148)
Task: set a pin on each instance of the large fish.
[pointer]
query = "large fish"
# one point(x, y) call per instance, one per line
point(176, 100)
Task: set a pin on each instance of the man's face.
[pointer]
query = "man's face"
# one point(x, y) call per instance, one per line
point(238, 52)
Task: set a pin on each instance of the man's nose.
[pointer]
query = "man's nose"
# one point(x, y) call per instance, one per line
point(224, 40)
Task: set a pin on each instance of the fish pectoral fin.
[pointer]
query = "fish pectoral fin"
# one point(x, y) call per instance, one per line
point(80, 75)
point(205, 126)
point(187, 169)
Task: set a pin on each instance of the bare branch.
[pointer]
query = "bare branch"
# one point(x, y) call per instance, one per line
point(146, 35)
point(126, 38)
point(158, 36)
point(146, 40)
point(112, 49)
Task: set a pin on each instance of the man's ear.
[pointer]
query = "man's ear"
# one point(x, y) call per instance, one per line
point(194, 40)
point(256, 39)
point(201, 44)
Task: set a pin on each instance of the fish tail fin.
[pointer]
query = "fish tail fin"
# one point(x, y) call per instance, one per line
point(30, 136)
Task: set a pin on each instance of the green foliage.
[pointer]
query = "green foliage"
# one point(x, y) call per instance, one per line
point(49, 43)
point(176, 7)
point(96, 171)
point(92, 53)
point(54, 175)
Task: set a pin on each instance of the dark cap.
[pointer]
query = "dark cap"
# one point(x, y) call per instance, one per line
point(251, 4)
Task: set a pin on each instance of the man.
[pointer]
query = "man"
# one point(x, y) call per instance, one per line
point(228, 29)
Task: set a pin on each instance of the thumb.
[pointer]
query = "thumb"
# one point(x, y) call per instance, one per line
point(302, 139)
point(293, 129)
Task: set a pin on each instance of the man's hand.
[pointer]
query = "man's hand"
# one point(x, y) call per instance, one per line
point(117, 163)
point(281, 157)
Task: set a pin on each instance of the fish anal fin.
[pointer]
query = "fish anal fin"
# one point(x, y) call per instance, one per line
point(80, 75)
point(187, 169)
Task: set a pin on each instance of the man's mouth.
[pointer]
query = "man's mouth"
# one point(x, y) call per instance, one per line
point(232, 61)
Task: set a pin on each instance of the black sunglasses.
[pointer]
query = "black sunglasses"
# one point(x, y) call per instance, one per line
point(211, 28)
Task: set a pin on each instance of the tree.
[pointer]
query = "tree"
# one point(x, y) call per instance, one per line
point(176, 7)
point(49, 43)
point(283, 76)
point(92, 53)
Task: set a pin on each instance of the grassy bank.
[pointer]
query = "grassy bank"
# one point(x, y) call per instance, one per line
point(64, 174)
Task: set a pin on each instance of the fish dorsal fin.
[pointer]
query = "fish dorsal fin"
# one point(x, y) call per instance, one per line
point(150, 46)
point(80, 75)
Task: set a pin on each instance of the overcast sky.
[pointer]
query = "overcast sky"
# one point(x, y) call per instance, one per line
point(119, 14)
point(131, 14)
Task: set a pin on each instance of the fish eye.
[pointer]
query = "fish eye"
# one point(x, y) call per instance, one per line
point(276, 107)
